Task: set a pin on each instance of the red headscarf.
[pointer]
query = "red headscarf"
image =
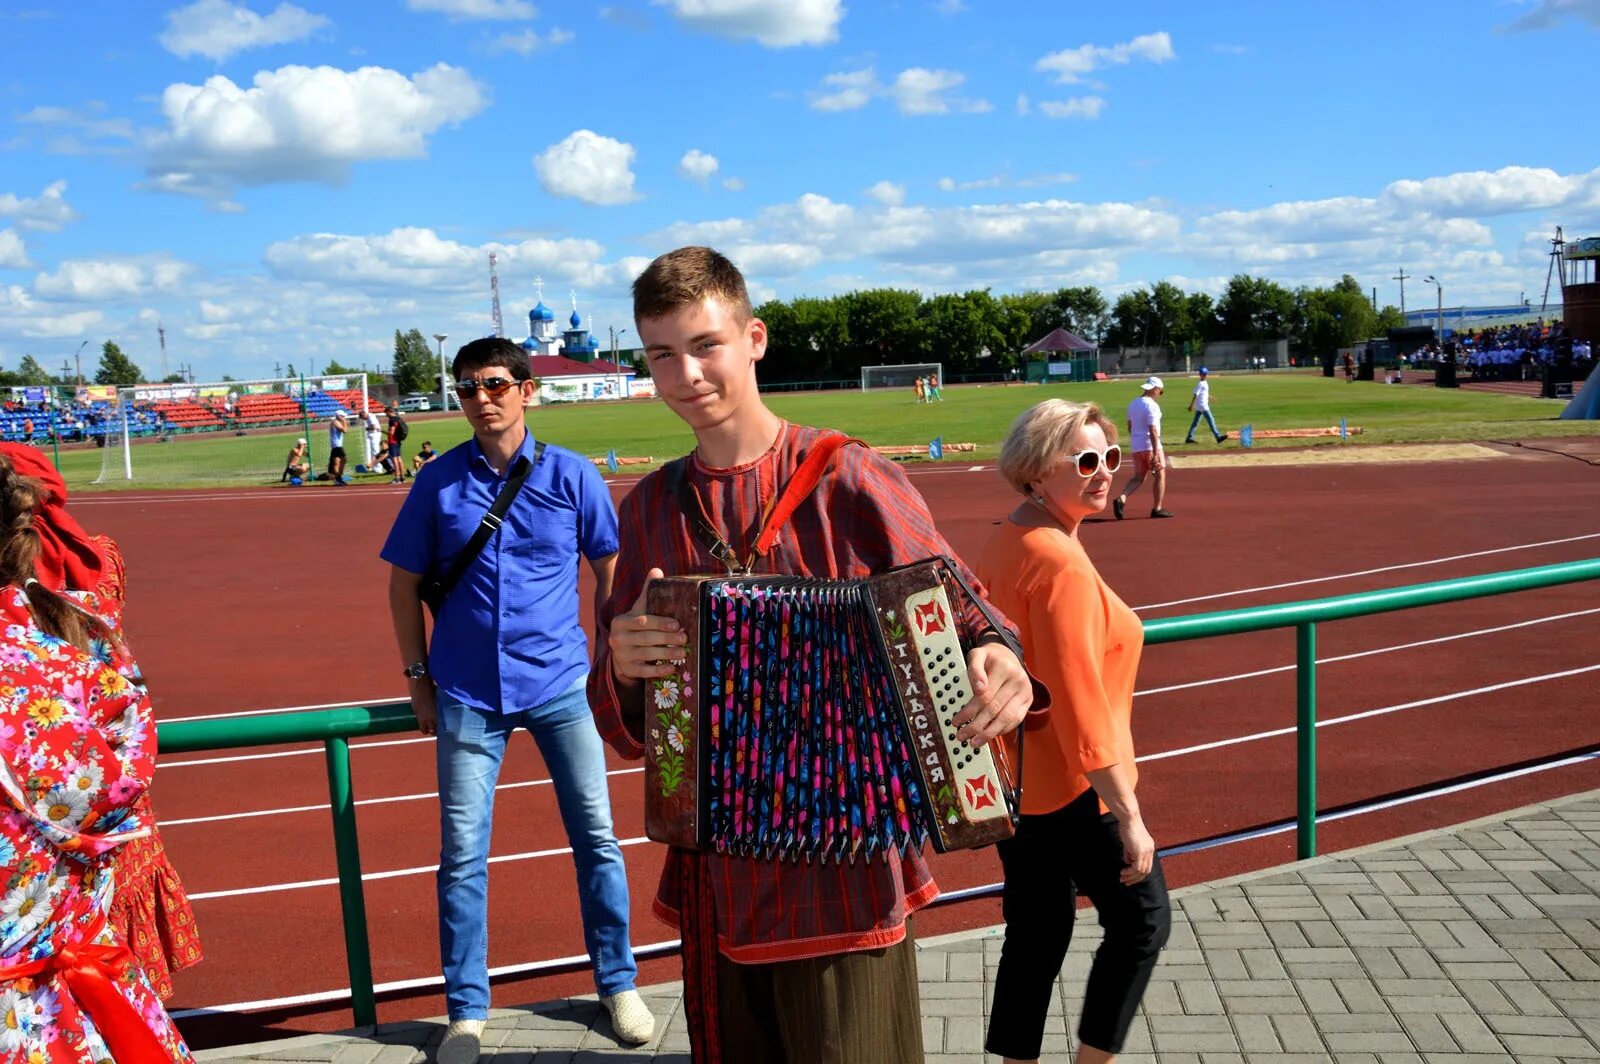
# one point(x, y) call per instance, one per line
point(69, 558)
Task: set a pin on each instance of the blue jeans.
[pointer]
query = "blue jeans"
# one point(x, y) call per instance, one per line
point(471, 745)
point(1198, 414)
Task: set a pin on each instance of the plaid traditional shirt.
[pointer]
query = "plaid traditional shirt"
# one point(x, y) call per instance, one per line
point(863, 517)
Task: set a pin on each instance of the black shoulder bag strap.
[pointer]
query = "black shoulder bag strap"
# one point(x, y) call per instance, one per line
point(436, 590)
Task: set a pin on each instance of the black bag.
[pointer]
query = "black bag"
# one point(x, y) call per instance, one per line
point(400, 429)
point(436, 588)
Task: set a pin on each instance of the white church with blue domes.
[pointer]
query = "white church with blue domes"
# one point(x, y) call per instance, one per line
point(567, 363)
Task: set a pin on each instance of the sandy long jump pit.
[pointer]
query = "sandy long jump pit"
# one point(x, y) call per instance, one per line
point(1345, 455)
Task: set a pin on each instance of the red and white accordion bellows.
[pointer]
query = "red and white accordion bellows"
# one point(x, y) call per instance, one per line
point(814, 719)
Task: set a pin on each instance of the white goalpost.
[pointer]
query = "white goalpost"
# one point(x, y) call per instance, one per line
point(901, 376)
point(176, 434)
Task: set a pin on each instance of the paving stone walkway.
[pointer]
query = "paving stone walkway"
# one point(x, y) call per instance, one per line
point(1471, 945)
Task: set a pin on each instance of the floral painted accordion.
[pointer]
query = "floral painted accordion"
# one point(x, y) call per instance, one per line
point(814, 719)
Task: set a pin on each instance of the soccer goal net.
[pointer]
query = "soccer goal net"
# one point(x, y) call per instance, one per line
point(906, 376)
point(231, 431)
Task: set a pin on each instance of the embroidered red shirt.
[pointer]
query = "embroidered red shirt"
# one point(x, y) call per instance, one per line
point(862, 518)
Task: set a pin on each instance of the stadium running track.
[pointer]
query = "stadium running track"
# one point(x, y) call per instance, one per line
point(244, 600)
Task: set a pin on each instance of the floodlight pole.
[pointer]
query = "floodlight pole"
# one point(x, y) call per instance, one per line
point(1438, 318)
point(444, 388)
point(616, 332)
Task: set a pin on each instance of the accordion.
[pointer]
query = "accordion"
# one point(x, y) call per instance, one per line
point(814, 719)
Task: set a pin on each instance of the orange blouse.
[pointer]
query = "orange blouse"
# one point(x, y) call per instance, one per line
point(1083, 643)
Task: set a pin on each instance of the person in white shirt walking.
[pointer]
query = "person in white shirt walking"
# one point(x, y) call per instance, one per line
point(1149, 460)
point(374, 433)
point(1200, 403)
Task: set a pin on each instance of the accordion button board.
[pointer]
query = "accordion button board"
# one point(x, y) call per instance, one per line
point(815, 720)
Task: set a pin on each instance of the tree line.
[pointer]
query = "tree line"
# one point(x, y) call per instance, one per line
point(831, 338)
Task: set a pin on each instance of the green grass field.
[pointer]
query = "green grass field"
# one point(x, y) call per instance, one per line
point(1387, 414)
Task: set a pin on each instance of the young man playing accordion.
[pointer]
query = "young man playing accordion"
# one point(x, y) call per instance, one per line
point(783, 961)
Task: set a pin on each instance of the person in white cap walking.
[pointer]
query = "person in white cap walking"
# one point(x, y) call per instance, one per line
point(1149, 460)
point(1200, 403)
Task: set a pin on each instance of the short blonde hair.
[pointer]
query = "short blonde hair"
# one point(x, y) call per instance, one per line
point(684, 278)
point(1039, 437)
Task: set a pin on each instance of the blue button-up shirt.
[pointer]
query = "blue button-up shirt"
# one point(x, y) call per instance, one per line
point(508, 637)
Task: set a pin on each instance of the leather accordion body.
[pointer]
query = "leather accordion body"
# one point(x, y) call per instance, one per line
point(813, 719)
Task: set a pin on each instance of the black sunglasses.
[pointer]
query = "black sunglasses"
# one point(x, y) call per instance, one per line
point(493, 387)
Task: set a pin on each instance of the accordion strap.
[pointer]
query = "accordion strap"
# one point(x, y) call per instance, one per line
point(773, 517)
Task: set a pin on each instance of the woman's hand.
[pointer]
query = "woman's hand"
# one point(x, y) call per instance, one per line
point(644, 645)
point(1001, 694)
point(1138, 850)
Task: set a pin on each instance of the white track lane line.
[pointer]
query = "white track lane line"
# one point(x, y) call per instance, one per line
point(1368, 572)
point(272, 888)
point(418, 797)
point(534, 967)
point(273, 494)
point(1366, 653)
point(393, 873)
point(1239, 740)
point(304, 751)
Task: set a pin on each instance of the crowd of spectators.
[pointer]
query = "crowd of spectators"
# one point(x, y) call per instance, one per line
point(1518, 352)
point(74, 421)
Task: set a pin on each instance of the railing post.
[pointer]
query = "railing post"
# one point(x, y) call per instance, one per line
point(352, 901)
point(1306, 738)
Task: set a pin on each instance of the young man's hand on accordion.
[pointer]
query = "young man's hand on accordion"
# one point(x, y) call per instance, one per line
point(643, 645)
point(1002, 694)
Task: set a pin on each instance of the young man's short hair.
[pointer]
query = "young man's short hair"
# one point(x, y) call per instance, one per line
point(686, 277)
point(492, 352)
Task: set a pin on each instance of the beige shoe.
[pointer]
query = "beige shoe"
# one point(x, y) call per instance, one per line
point(630, 1017)
point(462, 1042)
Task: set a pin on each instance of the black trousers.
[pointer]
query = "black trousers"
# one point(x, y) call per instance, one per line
point(1051, 858)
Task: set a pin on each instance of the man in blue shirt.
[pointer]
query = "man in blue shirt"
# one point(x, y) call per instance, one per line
point(508, 651)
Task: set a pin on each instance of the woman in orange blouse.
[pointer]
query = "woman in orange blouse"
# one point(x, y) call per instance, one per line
point(1079, 807)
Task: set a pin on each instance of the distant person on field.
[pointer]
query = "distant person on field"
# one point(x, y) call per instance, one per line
point(509, 653)
point(922, 390)
point(933, 389)
point(374, 431)
point(1349, 367)
point(1149, 460)
point(337, 427)
point(398, 430)
point(1200, 403)
point(424, 456)
point(297, 466)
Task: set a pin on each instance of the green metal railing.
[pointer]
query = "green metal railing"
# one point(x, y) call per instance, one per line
point(335, 727)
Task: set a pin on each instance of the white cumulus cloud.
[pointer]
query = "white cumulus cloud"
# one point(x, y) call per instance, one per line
point(528, 41)
point(774, 23)
point(920, 91)
point(888, 193)
point(498, 10)
point(302, 123)
point(1481, 192)
point(733, 184)
point(1551, 13)
point(846, 91)
point(697, 165)
point(588, 167)
point(97, 280)
point(1074, 64)
point(1077, 107)
point(13, 253)
point(218, 29)
point(411, 258)
point(47, 212)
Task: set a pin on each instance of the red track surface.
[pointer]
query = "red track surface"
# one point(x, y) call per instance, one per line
point(261, 600)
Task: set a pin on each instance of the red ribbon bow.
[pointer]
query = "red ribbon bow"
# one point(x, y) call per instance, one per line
point(88, 971)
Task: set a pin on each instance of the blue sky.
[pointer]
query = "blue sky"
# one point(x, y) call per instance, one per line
point(290, 182)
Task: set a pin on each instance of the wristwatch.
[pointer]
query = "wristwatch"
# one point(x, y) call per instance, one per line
point(416, 670)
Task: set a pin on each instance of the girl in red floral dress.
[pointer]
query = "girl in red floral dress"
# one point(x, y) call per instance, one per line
point(77, 750)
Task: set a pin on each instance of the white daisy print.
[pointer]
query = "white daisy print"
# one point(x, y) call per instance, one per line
point(62, 806)
point(28, 904)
